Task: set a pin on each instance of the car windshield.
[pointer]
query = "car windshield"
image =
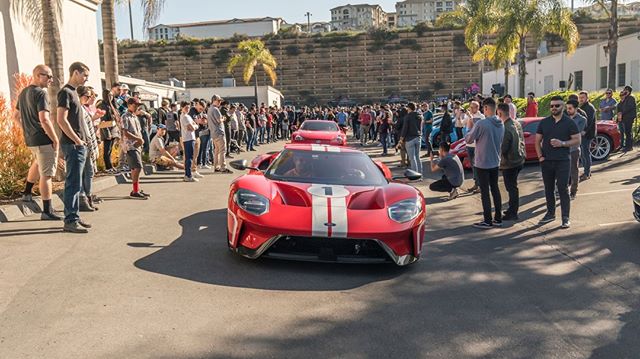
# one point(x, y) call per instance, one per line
point(531, 127)
point(334, 168)
point(319, 126)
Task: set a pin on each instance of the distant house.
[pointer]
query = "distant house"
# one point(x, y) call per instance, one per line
point(411, 12)
point(357, 17)
point(255, 27)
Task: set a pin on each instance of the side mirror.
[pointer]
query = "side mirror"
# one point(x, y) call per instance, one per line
point(241, 165)
point(411, 175)
point(527, 134)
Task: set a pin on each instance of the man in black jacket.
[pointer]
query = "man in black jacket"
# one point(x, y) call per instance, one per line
point(411, 135)
point(446, 124)
point(589, 133)
point(627, 113)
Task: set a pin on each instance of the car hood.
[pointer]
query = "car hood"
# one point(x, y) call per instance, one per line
point(312, 194)
point(318, 135)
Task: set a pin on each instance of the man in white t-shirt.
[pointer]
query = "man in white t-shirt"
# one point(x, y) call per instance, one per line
point(474, 116)
point(513, 110)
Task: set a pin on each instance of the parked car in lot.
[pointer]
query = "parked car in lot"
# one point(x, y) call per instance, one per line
point(636, 204)
point(607, 140)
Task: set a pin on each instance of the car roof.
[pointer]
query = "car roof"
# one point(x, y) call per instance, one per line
point(319, 148)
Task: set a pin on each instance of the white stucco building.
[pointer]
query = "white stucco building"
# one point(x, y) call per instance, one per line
point(357, 17)
point(217, 29)
point(411, 12)
point(19, 52)
point(586, 69)
point(268, 95)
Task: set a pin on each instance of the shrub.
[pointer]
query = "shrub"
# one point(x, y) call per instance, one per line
point(191, 52)
point(292, 50)
point(221, 56)
point(15, 157)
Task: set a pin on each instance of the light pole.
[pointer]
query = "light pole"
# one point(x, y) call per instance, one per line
point(308, 15)
point(130, 19)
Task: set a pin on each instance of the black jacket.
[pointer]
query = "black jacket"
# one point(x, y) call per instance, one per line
point(411, 126)
point(446, 124)
point(590, 128)
point(628, 108)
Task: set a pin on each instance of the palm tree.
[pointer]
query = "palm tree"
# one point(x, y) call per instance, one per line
point(520, 19)
point(611, 9)
point(475, 16)
point(252, 53)
point(151, 8)
point(44, 17)
point(499, 57)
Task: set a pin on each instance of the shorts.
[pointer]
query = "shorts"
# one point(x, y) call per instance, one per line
point(134, 159)
point(47, 158)
point(163, 161)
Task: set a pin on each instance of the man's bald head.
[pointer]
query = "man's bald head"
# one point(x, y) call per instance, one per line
point(42, 76)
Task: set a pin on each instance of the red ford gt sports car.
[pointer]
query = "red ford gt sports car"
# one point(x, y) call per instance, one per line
point(607, 140)
point(319, 132)
point(324, 203)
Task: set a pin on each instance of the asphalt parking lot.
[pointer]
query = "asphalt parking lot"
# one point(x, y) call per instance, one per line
point(154, 279)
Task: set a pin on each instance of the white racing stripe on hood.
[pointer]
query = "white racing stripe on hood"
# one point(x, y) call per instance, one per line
point(324, 148)
point(329, 201)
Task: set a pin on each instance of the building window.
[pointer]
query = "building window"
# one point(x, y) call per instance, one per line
point(603, 77)
point(439, 4)
point(578, 80)
point(449, 3)
point(345, 11)
point(622, 74)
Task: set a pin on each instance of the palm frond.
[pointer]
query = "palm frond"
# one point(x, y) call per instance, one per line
point(249, 68)
point(29, 13)
point(271, 72)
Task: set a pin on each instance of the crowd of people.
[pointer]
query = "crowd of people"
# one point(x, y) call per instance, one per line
point(203, 134)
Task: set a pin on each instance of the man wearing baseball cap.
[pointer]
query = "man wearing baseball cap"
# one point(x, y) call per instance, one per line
point(627, 112)
point(216, 126)
point(133, 144)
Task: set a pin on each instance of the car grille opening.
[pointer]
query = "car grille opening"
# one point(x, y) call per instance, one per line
point(328, 250)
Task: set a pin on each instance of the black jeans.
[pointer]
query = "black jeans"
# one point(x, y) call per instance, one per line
point(510, 177)
point(442, 185)
point(628, 134)
point(106, 153)
point(556, 174)
point(488, 180)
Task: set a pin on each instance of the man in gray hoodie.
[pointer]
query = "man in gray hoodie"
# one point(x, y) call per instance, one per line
point(488, 134)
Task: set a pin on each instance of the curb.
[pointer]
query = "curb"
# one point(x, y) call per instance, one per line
point(19, 210)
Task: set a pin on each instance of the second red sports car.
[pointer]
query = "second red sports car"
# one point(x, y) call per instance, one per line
point(607, 140)
point(319, 132)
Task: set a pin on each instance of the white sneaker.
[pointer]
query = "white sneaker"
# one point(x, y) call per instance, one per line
point(190, 179)
point(206, 167)
point(197, 175)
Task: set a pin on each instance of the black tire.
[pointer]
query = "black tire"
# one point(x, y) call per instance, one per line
point(601, 147)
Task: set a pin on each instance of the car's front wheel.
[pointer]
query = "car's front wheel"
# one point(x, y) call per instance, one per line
point(600, 147)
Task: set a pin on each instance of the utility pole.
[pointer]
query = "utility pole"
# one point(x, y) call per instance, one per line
point(130, 19)
point(308, 15)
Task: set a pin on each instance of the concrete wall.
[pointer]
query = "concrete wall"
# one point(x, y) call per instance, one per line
point(544, 74)
point(19, 52)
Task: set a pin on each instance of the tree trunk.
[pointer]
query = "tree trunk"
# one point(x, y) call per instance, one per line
point(612, 44)
point(522, 66)
point(52, 46)
point(109, 45)
point(507, 67)
point(481, 69)
point(255, 87)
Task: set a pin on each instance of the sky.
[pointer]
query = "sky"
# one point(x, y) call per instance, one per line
point(182, 11)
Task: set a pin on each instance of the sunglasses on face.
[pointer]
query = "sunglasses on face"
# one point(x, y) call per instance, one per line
point(609, 93)
point(555, 105)
point(47, 76)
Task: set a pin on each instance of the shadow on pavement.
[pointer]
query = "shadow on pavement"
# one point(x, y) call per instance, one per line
point(201, 255)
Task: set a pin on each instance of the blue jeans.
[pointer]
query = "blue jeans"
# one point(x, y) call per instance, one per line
point(585, 156)
point(383, 140)
point(87, 177)
point(189, 147)
point(204, 149)
point(251, 138)
point(471, 151)
point(413, 152)
point(260, 136)
point(75, 158)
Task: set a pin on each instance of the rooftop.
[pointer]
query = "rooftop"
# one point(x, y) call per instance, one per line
point(221, 22)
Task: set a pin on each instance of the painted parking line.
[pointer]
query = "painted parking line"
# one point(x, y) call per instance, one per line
point(616, 223)
point(605, 192)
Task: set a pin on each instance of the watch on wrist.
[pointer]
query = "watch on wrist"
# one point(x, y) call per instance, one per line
point(563, 144)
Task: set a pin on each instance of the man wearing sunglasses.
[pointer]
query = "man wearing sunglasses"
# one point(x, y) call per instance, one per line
point(33, 111)
point(555, 136)
point(627, 113)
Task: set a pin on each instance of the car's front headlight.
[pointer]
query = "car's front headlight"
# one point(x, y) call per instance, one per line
point(339, 139)
point(251, 202)
point(405, 210)
point(636, 193)
point(299, 138)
